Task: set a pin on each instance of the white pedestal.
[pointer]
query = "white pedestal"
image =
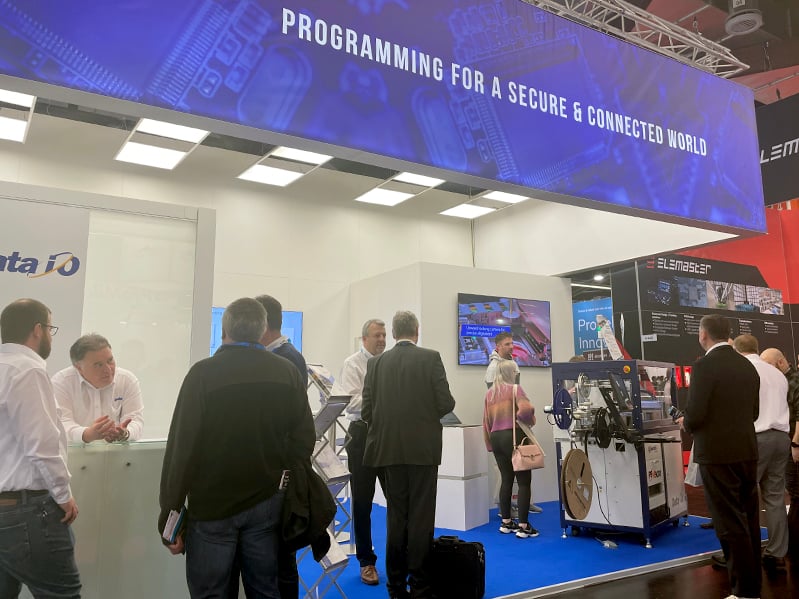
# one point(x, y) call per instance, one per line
point(462, 500)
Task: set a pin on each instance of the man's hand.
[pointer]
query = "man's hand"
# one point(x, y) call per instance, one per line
point(178, 546)
point(70, 509)
point(679, 421)
point(98, 429)
point(118, 433)
point(795, 454)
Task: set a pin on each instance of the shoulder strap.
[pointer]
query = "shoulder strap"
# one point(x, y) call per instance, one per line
point(513, 424)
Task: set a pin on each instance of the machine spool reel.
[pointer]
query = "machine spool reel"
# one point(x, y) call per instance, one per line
point(562, 409)
point(576, 484)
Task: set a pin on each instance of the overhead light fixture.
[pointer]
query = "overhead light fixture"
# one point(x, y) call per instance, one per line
point(13, 129)
point(16, 98)
point(172, 131)
point(159, 144)
point(599, 277)
point(508, 198)
point(415, 179)
point(300, 155)
point(270, 175)
point(16, 110)
point(384, 197)
point(467, 211)
point(585, 285)
point(148, 155)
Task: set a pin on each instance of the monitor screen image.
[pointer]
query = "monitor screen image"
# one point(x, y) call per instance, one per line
point(292, 328)
point(483, 317)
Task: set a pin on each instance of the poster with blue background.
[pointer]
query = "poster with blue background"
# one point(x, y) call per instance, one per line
point(585, 328)
point(496, 89)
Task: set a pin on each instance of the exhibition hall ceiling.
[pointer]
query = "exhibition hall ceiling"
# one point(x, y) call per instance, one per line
point(771, 51)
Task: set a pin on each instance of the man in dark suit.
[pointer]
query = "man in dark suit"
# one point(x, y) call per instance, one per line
point(722, 407)
point(405, 394)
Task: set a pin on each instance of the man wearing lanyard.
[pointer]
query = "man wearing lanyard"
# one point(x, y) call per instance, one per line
point(362, 478)
point(98, 400)
point(240, 417)
point(36, 504)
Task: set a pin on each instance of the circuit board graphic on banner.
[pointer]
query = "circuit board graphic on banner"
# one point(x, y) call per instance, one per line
point(499, 90)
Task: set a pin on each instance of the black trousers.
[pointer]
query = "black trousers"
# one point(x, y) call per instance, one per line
point(734, 504)
point(362, 488)
point(502, 446)
point(411, 496)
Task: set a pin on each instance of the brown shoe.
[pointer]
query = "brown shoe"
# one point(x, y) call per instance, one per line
point(369, 575)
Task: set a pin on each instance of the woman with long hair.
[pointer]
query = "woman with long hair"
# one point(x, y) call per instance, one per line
point(499, 418)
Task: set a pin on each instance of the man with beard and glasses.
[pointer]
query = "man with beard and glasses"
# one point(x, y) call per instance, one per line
point(36, 504)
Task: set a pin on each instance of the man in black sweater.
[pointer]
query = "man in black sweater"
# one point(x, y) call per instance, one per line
point(240, 416)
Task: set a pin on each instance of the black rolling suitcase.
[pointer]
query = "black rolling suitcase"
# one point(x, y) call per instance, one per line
point(458, 568)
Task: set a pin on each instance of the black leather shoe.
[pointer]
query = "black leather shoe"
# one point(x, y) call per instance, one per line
point(719, 562)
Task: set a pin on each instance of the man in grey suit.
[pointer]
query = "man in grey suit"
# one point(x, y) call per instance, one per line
point(405, 394)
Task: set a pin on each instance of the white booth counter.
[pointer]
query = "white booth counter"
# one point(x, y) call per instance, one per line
point(462, 497)
point(117, 546)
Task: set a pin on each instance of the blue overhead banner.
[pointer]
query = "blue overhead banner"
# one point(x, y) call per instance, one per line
point(496, 89)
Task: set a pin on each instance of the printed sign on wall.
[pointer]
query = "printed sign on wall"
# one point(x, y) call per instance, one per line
point(586, 336)
point(43, 256)
point(495, 89)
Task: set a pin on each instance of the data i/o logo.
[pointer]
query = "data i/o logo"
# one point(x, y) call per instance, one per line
point(65, 264)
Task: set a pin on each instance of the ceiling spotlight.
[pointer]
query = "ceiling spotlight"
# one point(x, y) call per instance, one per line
point(599, 277)
point(384, 197)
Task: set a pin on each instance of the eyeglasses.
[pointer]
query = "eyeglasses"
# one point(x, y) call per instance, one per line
point(53, 330)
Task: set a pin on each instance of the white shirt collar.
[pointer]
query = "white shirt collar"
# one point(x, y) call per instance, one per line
point(18, 348)
point(277, 343)
point(719, 344)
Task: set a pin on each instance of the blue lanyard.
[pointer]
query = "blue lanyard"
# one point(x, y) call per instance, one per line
point(245, 344)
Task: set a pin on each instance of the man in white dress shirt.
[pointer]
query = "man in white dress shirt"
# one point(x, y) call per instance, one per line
point(773, 449)
point(362, 478)
point(97, 399)
point(36, 503)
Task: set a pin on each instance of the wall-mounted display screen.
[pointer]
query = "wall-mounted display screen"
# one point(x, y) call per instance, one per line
point(483, 317)
point(292, 328)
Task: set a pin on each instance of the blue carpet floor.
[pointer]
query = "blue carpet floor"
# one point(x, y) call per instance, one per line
point(514, 565)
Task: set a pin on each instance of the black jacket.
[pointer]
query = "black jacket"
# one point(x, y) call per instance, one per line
point(405, 394)
point(308, 509)
point(723, 404)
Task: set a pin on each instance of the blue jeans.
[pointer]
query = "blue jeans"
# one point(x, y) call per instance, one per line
point(212, 548)
point(37, 550)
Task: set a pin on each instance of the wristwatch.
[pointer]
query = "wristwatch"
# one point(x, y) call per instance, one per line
point(794, 444)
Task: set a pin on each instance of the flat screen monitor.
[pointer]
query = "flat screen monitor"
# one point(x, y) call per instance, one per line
point(483, 317)
point(292, 328)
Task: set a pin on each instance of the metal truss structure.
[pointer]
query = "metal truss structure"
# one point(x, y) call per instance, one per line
point(640, 27)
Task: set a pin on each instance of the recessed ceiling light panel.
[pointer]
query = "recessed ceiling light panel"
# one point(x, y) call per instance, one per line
point(16, 98)
point(508, 198)
point(467, 211)
point(384, 197)
point(13, 129)
point(300, 155)
point(269, 175)
point(162, 129)
point(415, 179)
point(148, 155)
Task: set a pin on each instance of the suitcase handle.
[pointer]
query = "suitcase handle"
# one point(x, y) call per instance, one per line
point(448, 539)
